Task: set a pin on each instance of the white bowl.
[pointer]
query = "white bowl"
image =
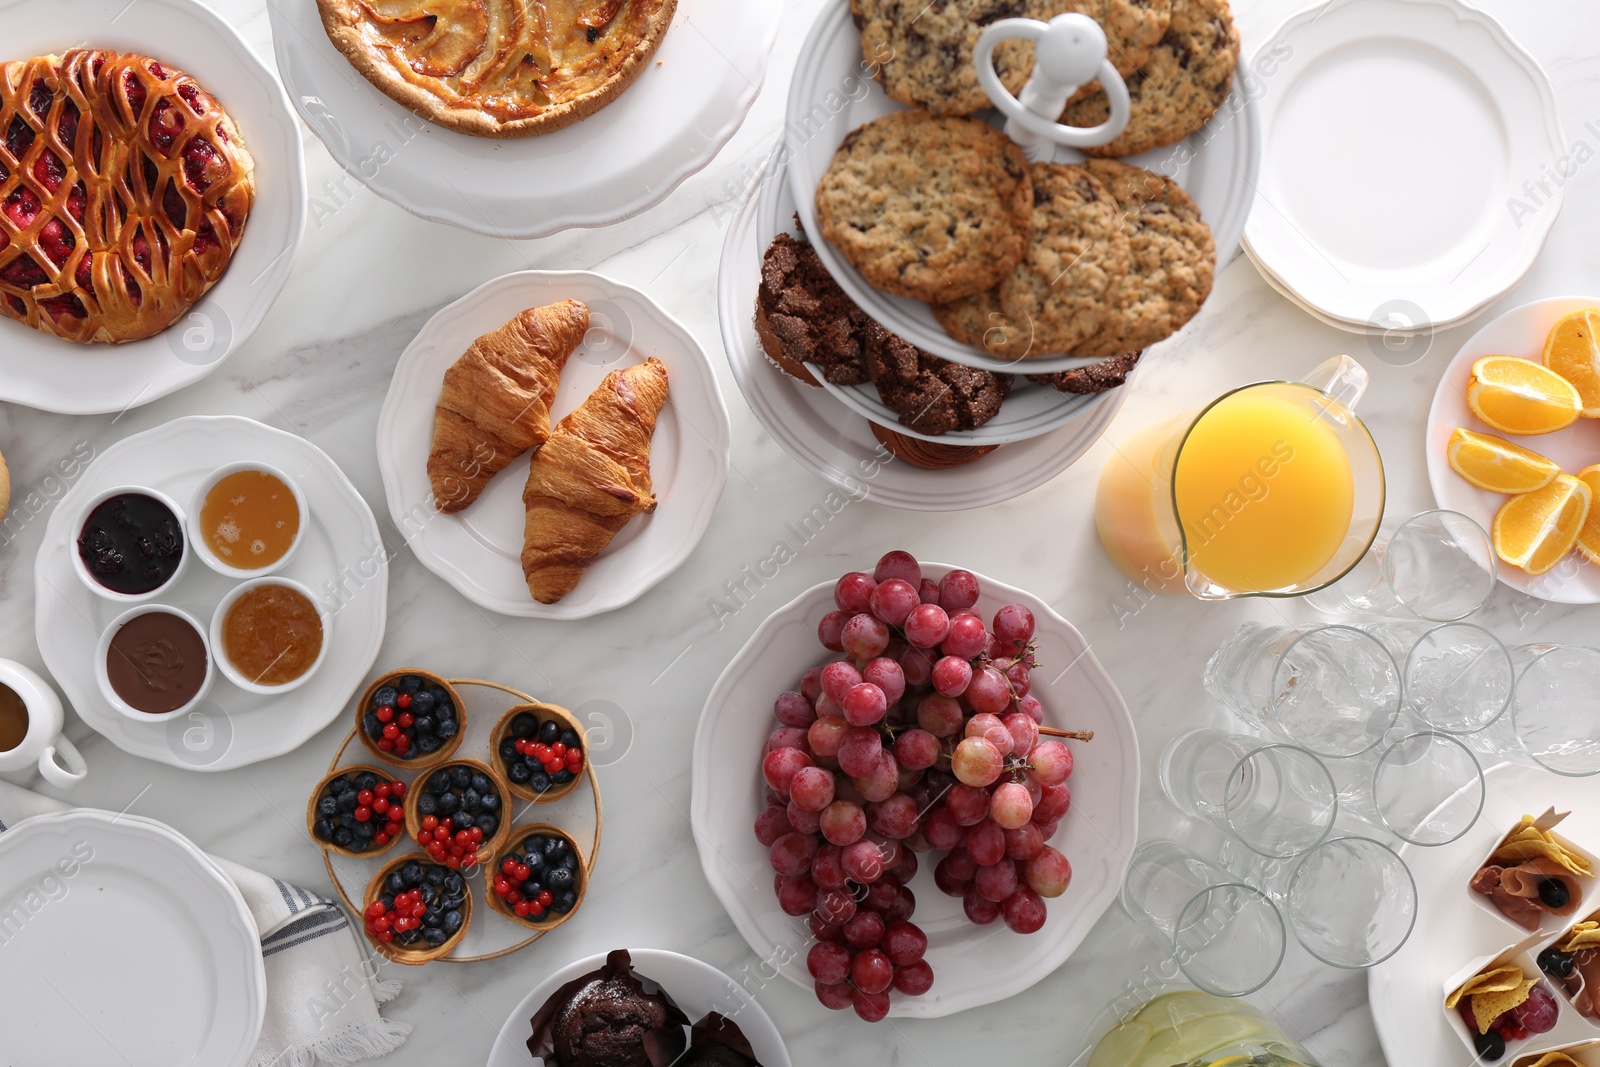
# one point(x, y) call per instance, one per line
point(221, 654)
point(104, 679)
point(81, 516)
point(974, 965)
point(202, 547)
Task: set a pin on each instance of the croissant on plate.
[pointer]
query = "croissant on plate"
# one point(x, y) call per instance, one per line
point(495, 404)
point(591, 477)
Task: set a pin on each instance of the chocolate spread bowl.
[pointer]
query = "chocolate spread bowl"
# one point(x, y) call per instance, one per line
point(123, 571)
point(154, 663)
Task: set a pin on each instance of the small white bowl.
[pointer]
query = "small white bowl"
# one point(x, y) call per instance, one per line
point(104, 678)
point(232, 672)
point(197, 536)
point(88, 578)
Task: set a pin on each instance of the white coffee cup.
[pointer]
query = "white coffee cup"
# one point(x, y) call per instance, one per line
point(43, 745)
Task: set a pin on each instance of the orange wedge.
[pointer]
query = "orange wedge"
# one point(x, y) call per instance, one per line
point(1521, 397)
point(1495, 464)
point(1535, 530)
point(1573, 351)
point(1589, 536)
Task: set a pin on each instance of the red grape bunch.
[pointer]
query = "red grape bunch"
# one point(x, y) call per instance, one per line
point(923, 736)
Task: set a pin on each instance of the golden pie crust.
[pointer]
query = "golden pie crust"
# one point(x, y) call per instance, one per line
point(499, 68)
point(124, 192)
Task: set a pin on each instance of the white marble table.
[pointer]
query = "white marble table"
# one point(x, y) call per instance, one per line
point(368, 277)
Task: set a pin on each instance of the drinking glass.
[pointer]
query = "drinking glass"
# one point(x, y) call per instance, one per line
point(1554, 721)
point(1426, 787)
point(1459, 677)
point(1228, 936)
point(1334, 690)
point(1436, 565)
point(1279, 800)
point(1351, 902)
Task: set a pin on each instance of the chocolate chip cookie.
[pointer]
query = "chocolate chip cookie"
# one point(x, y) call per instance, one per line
point(929, 208)
point(1176, 90)
point(1133, 29)
point(923, 51)
point(802, 316)
point(1173, 260)
point(930, 395)
point(1077, 257)
point(1100, 377)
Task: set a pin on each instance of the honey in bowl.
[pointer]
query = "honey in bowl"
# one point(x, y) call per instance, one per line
point(250, 519)
point(13, 719)
point(272, 635)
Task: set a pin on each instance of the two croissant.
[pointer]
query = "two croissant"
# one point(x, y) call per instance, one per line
point(589, 475)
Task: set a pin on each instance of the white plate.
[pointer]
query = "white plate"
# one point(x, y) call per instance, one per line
point(342, 560)
point(1216, 166)
point(479, 550)
point(1401, 322)
point(1029, 410)
point(698, 988)
point(1519, 332)
point(145, 955)
point(972, 965)
point(1407, 990)
point(55, 375)
point(1397, 135)
point(809, 425)
point(611, 166)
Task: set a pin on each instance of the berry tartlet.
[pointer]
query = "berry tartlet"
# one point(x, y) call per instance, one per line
point(541, 749)
point(411, 718)
point(416, 910)
point(457, 813)
point(538, 880)
point(357, 811)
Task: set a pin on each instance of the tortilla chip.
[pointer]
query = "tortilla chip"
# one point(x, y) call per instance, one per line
point(1582, 936)
point(1499, 980)
point(1487, 1007)
point(1527, 842)
point(1552, 1059)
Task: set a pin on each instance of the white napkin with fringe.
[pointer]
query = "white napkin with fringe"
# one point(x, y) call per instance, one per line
point(323, 990)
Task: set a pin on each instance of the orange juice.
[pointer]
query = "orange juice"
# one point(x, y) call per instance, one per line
point(1264, 491)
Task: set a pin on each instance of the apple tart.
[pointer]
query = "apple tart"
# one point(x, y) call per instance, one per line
point(499, 68)
point(124, 192)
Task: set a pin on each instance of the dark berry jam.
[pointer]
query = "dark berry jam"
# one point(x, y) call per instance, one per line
point(132, 544)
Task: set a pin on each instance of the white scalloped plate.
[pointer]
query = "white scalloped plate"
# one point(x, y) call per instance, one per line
point(55, 375)
point(1216, 166)
point(479, 550)
point(1519, 332)
point(973, 965)
point(342, 560)
point(1397, 135)
point(618, 162)
point(187, 986)
point(809, 424)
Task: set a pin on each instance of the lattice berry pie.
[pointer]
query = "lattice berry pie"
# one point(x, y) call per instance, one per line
point(499, 68)
point(124, 190)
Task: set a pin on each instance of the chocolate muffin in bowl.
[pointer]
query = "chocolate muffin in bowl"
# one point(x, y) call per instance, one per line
point(611, 1017)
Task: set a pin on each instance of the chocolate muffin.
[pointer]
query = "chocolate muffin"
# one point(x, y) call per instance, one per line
point(612, 1017)
point(1099, 377)
point(931, 395)
point(802, 316)
point(717, 1041)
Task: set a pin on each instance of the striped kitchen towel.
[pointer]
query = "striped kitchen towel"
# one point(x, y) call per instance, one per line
point(323, 987)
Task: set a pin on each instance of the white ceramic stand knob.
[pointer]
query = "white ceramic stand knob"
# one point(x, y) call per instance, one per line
point(1070, 50)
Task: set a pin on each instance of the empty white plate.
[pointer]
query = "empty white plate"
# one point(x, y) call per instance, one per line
point(1397, 136)
point(122, 943)
point(479, 550)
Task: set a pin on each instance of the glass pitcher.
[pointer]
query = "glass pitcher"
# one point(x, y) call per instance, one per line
point(1273, 489)
point(1188, 1028)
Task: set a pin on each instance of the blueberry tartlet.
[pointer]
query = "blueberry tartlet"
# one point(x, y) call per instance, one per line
point(539, 880)
point(357, 811)
point(457, 813)
point(411, 718)
point(541, 749)
point(416, 910)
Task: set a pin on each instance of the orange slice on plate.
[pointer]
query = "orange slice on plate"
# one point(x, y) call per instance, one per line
point(1573, 351)
point(1495, 464)
point(1534, 531)
point(1521, 397)
point(1589, 536)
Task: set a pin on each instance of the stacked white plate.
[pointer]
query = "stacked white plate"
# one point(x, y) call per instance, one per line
point(1407, 176)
